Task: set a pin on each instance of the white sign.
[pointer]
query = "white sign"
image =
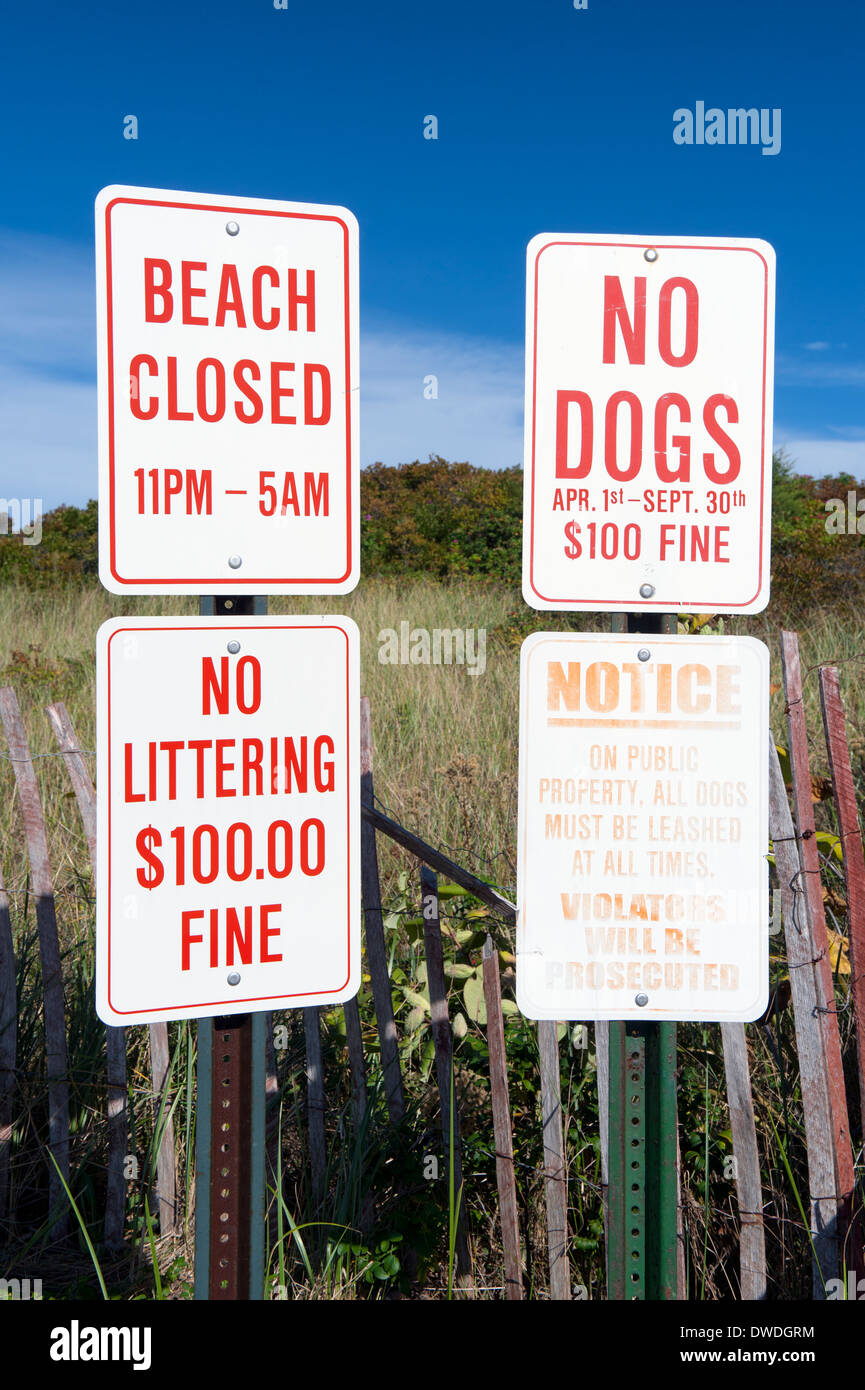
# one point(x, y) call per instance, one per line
point(648, 457)
point(643, 827)
point(228, 440)
point(228, 775)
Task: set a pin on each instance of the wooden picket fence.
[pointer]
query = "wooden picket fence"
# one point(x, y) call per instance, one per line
point(833, 1218)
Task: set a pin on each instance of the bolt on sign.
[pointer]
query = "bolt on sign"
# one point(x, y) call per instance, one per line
point(648, 419)
point(228, 438)
point(643, 828)
point(228, 816)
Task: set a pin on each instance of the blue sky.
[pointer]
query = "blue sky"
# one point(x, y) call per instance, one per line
point(550, 119)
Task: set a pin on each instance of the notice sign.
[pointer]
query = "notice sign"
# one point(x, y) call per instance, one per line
point(228, 774)
point(648, 455)
point(643, 828)
point(228, 441)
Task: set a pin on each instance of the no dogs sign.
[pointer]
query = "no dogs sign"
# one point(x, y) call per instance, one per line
point(228, 816)
point(648, 458)
point(643, 828)
point(228, 441)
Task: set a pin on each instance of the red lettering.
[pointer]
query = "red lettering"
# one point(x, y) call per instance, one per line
point(247, 365)
point(309, 415)
point(229, 282)
point(615, 312)
point(142, 360)
point(623, 475)
point(564, 401)
point(257, 315)
point(277, 392)
point(173, 412)
point(152, 290)
point(308, 299)
point(682, 442)
point(188, 292)
point(201, 389)
point(721, 438)
point(689, 351)
point(187, 938)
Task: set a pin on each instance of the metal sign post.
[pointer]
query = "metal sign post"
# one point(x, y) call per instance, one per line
point(642, 1191)
point(230, 1134)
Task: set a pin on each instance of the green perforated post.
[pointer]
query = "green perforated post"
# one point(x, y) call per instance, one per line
point(642, 1194)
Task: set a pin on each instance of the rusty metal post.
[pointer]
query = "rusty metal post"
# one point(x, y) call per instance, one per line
point(230, 1124)
point(642, 1198)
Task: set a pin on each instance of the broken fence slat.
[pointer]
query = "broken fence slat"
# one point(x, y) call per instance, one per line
point(851, 848)
point(56, 1062)
point(376, 951)
point(810, 860)
point(428, 854)
point(315, 1104)
point(555, 1182)
point(749, 1189)
point(8, 1043)
point(502, 1131)
point(822, 1183)
point(356, 1062)
point(115, 1038)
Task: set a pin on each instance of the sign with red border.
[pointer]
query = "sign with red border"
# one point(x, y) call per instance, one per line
point(228, 436)
point(648, 423)
point(229, 815)
point(642, 882)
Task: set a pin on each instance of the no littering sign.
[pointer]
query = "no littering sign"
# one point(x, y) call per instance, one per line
point(229, 774)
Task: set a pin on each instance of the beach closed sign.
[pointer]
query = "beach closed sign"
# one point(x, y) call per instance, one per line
point(228, 440)
point(643, 828)
point(228, 816)
point(648, 423)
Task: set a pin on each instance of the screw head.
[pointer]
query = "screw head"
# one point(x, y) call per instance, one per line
point(641, 1000)
point(650, 254)
point(235, 562)
point(232, 228)
point(234, 647)
point(234, 978)
point(642, 655)
point(646, 590)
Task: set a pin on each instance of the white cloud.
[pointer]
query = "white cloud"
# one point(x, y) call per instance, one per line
point(817, 347)
point(478, 415)
point(824, 457)
point(48, 386)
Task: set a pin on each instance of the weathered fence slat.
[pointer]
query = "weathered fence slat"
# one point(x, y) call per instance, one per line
point(376, 951)
point(810, 860)
point(166, 1173)
point(315, 1104)
point(356, 1062)
point(555, 1180)
point(115, 1038)
point(851, 849)
point(822, 1182)
point(504, 1139)
point(749, 1190)
point(8, 1041)
point(443, 1042)
point(56, 1064)
point(438, 861)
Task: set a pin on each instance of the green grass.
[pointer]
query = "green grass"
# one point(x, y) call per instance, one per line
point(446, 767)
